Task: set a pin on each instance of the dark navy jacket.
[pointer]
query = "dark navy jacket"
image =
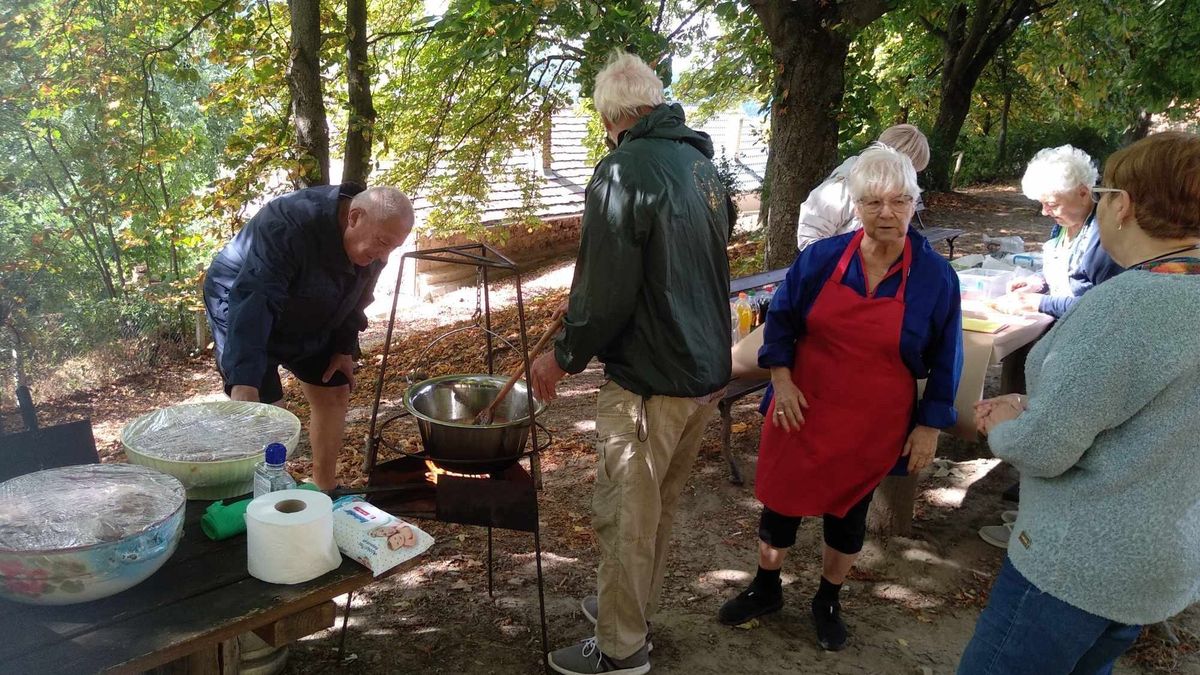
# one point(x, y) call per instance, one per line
point(283, 288)
point(931, 333)
point(1095, 266)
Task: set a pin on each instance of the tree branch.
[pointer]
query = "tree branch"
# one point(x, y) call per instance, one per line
point(934, 30)
point(399, 33)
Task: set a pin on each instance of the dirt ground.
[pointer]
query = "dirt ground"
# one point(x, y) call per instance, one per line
point(911, 604)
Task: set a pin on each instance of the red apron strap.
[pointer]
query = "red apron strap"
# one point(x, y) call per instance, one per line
point(844, 261)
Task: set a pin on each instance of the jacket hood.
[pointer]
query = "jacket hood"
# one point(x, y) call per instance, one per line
point(667, 122)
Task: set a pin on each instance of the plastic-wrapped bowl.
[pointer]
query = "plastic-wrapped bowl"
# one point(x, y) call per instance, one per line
point(212, 448)
point(81, 533)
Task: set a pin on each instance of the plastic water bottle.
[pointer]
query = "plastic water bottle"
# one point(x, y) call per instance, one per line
point(733, 321)
point(745, 315)
point(764, 303)
point(271, 474)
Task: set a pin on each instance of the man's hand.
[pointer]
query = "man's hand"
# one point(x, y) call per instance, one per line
point(244, 392)
point(544, 376)
point(560, 310)
point(920, 447)
point(788, 400)
point(343, 363)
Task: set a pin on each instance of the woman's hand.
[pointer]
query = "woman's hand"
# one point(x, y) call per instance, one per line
point(789, 402)
point(920, 447)
point(1029, 284)
point(992, 411)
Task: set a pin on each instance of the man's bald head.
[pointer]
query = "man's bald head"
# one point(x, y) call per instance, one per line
point(379, 220)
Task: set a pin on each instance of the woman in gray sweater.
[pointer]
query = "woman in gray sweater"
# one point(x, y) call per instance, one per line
point(1108, 440)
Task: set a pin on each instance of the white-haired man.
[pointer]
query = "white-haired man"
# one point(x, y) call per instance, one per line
point(291, 289)
point(829, 209)
point(650, 300)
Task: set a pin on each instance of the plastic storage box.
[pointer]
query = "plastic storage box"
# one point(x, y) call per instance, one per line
point(979, 284)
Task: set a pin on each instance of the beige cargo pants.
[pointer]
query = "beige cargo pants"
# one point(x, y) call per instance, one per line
point(646, 451)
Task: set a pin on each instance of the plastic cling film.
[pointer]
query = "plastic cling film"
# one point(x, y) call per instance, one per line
point(211, 432)
point(376, 539)
point(83, 505)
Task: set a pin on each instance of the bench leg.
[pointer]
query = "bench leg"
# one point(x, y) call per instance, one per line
point(950, 243)
point(735, 474)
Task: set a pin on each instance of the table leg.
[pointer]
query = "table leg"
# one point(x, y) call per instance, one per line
point(1012, 371)
point(735, 474)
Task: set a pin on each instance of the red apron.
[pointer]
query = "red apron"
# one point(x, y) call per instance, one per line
point(860, 402)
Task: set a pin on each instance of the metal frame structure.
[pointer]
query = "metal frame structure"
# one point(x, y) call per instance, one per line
point(507, 499)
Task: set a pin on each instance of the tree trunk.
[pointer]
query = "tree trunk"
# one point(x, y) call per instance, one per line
point(891, 511)
point(360, 122)
point(804, 130)
point(308, 103)
point(952, 113)
point(970, 40)
point(1002, 143)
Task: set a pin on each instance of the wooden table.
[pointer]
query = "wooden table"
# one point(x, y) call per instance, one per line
point(193, 608)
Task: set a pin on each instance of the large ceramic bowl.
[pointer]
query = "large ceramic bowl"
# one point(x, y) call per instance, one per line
point(212, 448)
point(445, 408)
point(81, 533)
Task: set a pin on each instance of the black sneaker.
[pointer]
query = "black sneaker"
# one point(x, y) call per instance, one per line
point(831, 630)
point(749, 604)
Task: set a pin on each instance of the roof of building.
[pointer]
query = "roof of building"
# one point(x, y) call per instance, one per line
point(737, 136)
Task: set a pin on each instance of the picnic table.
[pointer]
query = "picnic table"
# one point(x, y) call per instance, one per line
point(188, 614)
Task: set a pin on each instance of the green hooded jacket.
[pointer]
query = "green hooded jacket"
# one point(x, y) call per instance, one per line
point(650, 296)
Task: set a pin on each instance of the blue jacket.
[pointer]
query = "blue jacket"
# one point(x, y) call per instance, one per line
point(931, 337)
point(283, 288)
point(1094, 266)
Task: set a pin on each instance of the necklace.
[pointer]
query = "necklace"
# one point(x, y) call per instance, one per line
point(1168, 254)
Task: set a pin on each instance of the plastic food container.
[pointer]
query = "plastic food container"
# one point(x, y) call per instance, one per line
point(212, 448)
point(981, 284)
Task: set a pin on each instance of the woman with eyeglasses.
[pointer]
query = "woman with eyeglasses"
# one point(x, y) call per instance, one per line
point(1073, 260)
point(1108, 440)
point(858, 320)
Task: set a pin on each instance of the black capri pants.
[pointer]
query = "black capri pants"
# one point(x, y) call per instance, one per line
point(844, 535)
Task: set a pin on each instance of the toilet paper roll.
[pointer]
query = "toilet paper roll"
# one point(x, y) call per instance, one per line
point(289, 537)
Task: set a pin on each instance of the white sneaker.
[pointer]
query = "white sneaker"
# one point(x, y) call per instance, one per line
point(996, 535)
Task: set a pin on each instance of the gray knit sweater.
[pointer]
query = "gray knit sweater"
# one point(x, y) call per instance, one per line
point(1109, 452)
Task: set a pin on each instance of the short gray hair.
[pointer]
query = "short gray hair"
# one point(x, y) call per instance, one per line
point(908, 139)
point(881, 170)
point(1054, 171)
point(386, 203)
point(625, 85)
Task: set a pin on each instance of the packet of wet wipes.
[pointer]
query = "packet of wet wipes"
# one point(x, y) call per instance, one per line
point(376, 539)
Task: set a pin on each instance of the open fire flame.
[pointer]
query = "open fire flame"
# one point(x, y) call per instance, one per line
point(434, 471)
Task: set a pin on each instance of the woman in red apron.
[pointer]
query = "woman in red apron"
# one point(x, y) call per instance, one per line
point(861, 317)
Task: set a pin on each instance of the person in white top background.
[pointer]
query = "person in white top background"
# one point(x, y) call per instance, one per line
point(829, 209)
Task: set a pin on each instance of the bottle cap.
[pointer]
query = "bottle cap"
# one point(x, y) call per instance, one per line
point(742, 295)
point(276, 453)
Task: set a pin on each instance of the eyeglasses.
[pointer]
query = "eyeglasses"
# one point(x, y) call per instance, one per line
point(895, 203)
point(1098, 192)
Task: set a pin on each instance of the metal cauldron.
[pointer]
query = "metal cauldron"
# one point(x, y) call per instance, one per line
point(445, 408)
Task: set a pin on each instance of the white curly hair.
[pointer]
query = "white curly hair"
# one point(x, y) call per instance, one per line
point(625, 85)
point(882, 170)
point(1054, 171)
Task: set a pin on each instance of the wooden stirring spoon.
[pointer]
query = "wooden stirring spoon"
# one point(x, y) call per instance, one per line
point(486, 415)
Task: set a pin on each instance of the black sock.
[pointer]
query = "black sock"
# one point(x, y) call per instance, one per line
point(767, 581)
point(827, 594)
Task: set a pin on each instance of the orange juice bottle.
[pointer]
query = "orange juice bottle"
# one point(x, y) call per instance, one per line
point(745, 315)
